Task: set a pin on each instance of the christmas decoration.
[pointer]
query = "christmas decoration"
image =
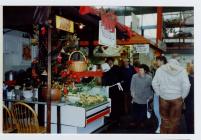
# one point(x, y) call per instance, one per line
point(59, 58)
point(43, 31)
point(63, 44)
point(64, 74)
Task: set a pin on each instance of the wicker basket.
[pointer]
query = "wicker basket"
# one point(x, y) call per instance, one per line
point(77, 66)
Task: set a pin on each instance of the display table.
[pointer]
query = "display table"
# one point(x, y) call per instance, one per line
point(71, 118)
point(80, 120)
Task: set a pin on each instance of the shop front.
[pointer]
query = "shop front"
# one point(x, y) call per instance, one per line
point(56, 75)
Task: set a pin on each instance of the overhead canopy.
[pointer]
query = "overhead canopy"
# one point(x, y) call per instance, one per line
point(23, 18)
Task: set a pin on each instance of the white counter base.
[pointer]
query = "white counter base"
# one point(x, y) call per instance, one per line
point(65, 129)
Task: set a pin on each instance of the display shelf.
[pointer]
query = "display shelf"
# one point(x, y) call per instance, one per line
point(179, 25)
point(178, 40)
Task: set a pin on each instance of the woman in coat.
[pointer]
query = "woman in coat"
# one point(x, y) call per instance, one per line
point(141, 91)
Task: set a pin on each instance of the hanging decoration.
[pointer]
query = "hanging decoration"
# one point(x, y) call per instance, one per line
point(43, 30)
point(59, 58)
point(109, 19)
point(88, 10)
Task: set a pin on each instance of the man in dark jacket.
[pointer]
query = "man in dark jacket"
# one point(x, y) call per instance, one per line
point(110, 78)
point(127, 72)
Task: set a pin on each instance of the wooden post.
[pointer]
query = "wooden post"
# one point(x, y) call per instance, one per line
point(49, 83)
point(159, 24)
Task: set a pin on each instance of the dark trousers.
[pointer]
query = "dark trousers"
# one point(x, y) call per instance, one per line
point(171, 111)
point(128, 107)
point(117, 105)
point(189, 117)
point(139, 113)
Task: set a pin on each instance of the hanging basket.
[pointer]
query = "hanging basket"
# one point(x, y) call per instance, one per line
point(77, 66)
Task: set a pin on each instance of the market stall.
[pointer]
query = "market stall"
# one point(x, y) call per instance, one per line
point(62, 71)
point(145, 49)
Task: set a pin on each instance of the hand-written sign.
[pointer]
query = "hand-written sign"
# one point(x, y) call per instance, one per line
point(64, 24)
point(106, 37)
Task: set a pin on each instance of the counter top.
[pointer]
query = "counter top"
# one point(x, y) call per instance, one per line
point(54, 103)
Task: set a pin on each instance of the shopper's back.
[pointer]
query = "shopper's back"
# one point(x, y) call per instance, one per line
point(173, 81)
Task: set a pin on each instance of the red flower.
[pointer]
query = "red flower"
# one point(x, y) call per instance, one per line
point(74, 76)
point(43, 30)
point(78, 80)
point(68, 72)
point(65, 91)
point(63, 74)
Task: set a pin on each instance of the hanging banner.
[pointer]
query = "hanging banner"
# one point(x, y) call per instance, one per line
point(135, 23)
point(106, 37)
point(64, 24)
point(142, 48)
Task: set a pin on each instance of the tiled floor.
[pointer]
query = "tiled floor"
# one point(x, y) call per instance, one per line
point(125, 127)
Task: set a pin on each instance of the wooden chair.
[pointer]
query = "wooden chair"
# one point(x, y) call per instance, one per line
point(8, 125)
point(26, 119)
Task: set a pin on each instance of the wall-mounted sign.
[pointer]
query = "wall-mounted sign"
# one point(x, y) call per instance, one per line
point(142, 48)
point(106, 37)
point(64, 24)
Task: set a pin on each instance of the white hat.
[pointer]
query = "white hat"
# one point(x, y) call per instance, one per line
point(105, 67)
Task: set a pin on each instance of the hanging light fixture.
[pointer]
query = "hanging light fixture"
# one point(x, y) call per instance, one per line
point(81, 26)
point(44, 73)
point(62, 50)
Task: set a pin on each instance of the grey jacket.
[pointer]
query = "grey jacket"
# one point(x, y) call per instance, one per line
point(141, 89)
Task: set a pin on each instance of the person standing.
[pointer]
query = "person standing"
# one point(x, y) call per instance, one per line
point(172, 85)
point(111, 78)
point(140, 91)
point(160, 60)
point(189, 104)
point(127, 72)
